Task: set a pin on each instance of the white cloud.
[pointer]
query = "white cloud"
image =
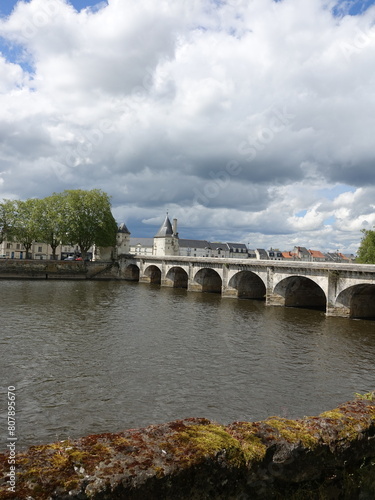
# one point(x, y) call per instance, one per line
point(254, 110)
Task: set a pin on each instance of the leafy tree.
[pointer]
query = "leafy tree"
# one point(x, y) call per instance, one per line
point(366, 251)
point(89, 219)
point(7, 216)
point(52, 221)
point(26, 228)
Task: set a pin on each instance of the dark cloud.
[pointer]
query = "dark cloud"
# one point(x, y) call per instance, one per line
point(239, 117)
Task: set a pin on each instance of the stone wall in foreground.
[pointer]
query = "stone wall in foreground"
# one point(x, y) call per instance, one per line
point(331, 456)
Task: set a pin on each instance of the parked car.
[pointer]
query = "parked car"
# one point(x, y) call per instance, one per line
point(73, 257)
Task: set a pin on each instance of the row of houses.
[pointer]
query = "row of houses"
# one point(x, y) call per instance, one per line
point(38, 251)
point(167, 242)
point(204, 248)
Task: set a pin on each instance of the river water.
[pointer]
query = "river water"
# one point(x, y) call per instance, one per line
point(89, 357)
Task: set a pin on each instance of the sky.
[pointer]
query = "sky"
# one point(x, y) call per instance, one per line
point(247, 120)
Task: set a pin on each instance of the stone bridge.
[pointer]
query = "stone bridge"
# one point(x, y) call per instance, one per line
point(346, 290)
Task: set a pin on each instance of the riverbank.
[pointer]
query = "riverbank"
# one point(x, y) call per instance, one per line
point(57, 269)
point(329, 456)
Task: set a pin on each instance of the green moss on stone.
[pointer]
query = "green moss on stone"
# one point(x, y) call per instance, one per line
point(348, 427)
point(194, 442)
point(333, 414)
point(369, 396)
point(253, 448)
point(294, 431)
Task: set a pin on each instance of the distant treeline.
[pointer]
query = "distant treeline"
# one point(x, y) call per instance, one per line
point(73, 217)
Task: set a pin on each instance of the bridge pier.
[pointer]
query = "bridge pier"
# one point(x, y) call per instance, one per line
point(274, 299)
point(193, 286)
point(335, 308)
point(142, 277)
point(228, 292)
point(338, 311)
point(167, 282)
point(164, 281)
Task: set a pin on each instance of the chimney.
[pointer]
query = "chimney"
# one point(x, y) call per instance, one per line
point(174, 228)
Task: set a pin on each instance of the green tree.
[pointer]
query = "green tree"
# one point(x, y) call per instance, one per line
point(366, 251)
point(7, 217)
point(52, 221)
point(26, 224)
point(89, 219)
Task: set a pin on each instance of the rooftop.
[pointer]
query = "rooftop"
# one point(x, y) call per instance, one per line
point(165, 229)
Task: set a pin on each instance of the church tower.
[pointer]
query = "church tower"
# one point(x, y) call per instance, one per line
point(166, 239)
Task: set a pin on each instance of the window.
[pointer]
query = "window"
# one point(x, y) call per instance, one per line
point(40, 249)
point(18, 246)
point(9, 245)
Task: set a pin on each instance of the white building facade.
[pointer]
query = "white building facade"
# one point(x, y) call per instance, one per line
point(38, 251)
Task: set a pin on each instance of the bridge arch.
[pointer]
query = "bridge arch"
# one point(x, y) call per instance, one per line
point(358, 301)
point(208, 280)
point(177, 277)
point(131, 273)
point(299, 291)
point(248, 285)
point(153, 275)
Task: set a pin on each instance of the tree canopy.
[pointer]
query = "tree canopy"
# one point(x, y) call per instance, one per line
point(25, 225)
point(90, 219)
point(74, 217)
point(7, 215)
point(366, 251)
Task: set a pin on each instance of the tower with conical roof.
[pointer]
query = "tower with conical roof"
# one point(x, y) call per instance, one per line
point(122, 246)
point(166, 239)
point(122, 240)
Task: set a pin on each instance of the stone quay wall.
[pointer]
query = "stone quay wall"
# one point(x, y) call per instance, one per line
point(57, 269)
point(330, 456)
